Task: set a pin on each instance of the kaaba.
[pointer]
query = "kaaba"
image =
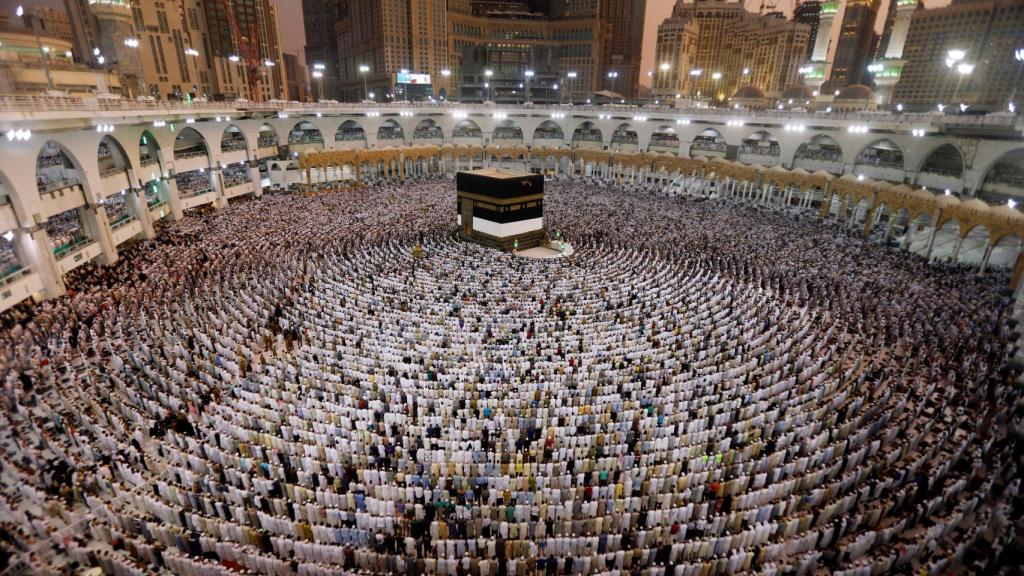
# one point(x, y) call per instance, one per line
point(501, 208)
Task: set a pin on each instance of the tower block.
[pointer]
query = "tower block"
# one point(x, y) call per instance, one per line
point(815, 71)
point(500, 208)
point(116, 27)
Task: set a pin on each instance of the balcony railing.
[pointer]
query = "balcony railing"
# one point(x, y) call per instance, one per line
point(121, 220)
point(69, 248)
point(36, 104)
point(13, 274)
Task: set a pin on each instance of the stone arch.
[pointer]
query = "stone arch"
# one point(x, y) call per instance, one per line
point(467, 131)
point(111, 157)
point(267, 136)
point(587, 136)
point(708, 142)
point(428, 131)
point(304, 136)
point(350, 134)
point(56, 167)
point(974, 242)
point(625, 138)
point(760, 147)
point(664, 139)
point(389, 132)
point(189, 144)
point(883, 152)
point(548, 133)
point(1005, 251)
point(821, 152)
point(233, 139)
point(1004, 179)
point(150, 161)
point(507, 133)
point(882, 159)
point(946, 160)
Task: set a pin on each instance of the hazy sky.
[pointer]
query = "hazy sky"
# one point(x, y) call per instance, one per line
point(293, 38)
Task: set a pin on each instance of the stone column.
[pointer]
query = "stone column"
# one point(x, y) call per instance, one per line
point(94, 221)
point(956, 248)
point(254, 175)
point(984, 259)
point(32, 246)
point(170, 187)
point(931, 236)
point(219, 200)
point(136, 200)
point(869, 222)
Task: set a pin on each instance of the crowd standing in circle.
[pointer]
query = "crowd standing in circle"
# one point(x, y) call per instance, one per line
point(702, 388)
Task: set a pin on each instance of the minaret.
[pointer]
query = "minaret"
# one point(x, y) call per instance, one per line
point(888, 68)
point(119, 43)
point(815, 70)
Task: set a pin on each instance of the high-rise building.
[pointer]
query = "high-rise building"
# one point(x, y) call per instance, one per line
point(378, 39)
point(982, 72)
point(295, 71)
point(494, 45)
point(624, 20)
point(52, 23)
point(572, 48)
point(33, 61)
point(856, 38)
point(809, 12)
point(319, 18)
point(173, 49)
point(710, 48)
point(888, 65)
point(245, 33)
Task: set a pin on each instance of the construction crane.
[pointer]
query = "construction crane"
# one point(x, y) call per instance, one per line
point(248, 48)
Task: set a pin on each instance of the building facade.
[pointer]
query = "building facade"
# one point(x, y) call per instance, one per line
point(377, 39)
point(988, 32)
point(295, 71)
point(809, 12)
point(711, 48)
point(244, 41)
point(495, 44)
point(573, 48)
point(624, 20)
point(319, 18)
point(53, 23)
point(31, 65)
point(856, 44)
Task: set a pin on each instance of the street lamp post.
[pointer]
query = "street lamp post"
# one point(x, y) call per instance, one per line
point(487, 83)
point(694, 74)
point(193, 53)
point(613, 75)
point(963, 69)
point(1018, 54)
point(33, 22)
point(319, 76)
point(133, 43)
point(952, 57)
point(363, 69)
point(446, 74)
point(664, 67)
point(529, 77)
point(716, 76)
point(571, 75)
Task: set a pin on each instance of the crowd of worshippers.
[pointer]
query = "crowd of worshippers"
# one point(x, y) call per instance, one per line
point(703, 387)
point(193, 183)
point(235, 174)
point(65, 229)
